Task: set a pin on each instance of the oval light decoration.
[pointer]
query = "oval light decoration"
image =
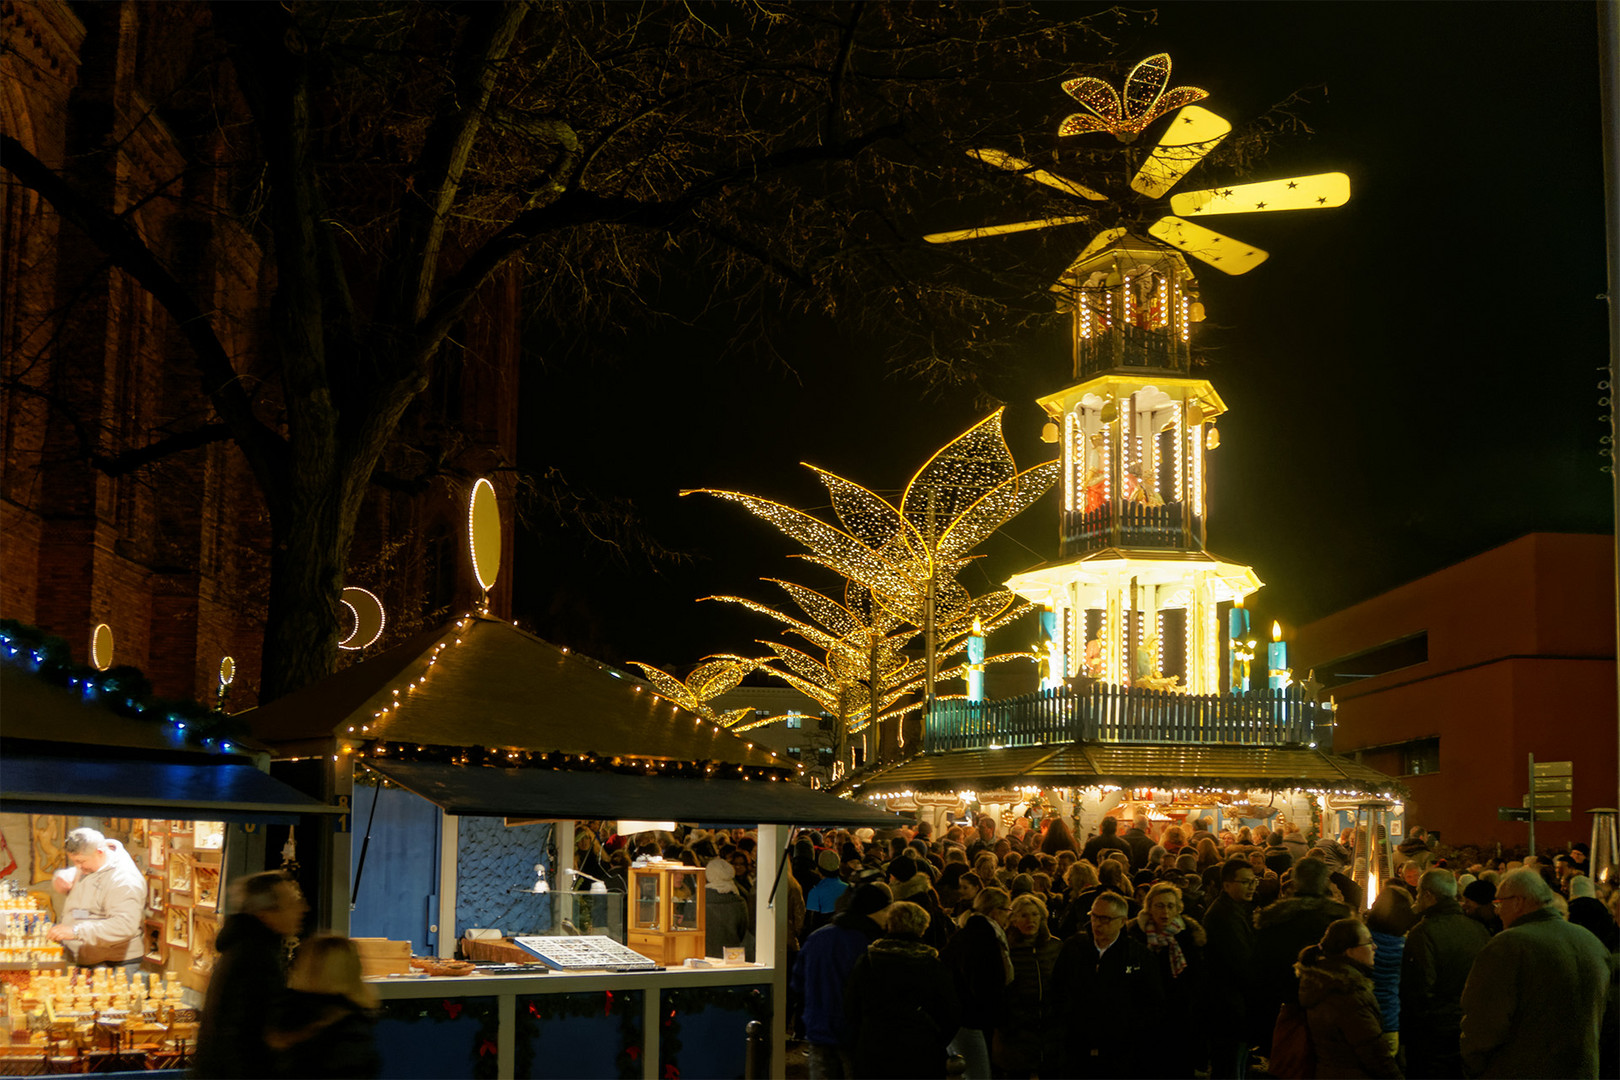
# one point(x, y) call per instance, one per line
point(227, 674)
point(484, 533)
point(369, 618)
point(101, 647)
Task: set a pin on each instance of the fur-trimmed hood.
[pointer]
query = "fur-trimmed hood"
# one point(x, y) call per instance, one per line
point(909, 948)
point(1297, 907)
point(1320, 981)
point(913, 885)
point(1199, 938)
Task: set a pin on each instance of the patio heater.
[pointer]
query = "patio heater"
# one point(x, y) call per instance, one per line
point(1603, 862)
point(1371, 868)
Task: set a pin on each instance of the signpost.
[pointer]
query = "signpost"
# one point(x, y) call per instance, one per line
point(1551, 798)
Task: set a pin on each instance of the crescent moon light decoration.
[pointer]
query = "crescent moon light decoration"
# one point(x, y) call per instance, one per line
point(369, 618)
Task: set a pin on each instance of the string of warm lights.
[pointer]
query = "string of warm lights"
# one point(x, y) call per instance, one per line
point(1145, 100)
point(558, 761)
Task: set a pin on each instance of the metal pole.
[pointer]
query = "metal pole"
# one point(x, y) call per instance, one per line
point(1532, 790)
point(1608, 57)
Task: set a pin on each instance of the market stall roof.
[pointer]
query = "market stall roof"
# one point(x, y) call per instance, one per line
point(66, 751)
point(38, 712)
point(111, 787)
point(1086, 764)
point(483, 682)
point(547, 793)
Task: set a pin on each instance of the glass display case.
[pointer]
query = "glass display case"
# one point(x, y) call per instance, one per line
point(588, 913)
point(666, 916)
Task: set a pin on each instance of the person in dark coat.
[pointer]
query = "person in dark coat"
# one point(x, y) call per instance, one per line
point(1229, 954)
point(902, 1001)
point(1106, 840)
point(249, 981)
point(1176, 941)
point(1533, 1004)
point(1139, 842)
point(1439, 954)
point(826, 960)
point(1336, 992)
point(981, 967)
point(1479, 903)
point(1589, 912)
point(327, 1024)
point(909, 881)
point(1286, 927)
point(1106, 998)
point(1021, 1044)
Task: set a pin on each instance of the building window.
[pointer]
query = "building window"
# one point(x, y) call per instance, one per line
point(794, 751)
point(1379, 660)
point(1420, 757)
point(794, 721)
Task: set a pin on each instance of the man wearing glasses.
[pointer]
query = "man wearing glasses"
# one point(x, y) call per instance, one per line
point(1101, 973)
point(1533, 1004)
point(1229, 922)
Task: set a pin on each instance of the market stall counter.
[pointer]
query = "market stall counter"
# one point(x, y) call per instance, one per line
point(572, 1023)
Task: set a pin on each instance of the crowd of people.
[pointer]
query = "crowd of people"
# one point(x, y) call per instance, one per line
point(1025, 952)
point(1184, 951)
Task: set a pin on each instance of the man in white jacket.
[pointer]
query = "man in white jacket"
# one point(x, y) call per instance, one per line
point(106, 895)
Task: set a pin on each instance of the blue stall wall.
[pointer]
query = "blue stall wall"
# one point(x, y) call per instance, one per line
point(398, 897)
point(494, 868)
point(424, 1039)
point(573, 1035)
point(706, 1030)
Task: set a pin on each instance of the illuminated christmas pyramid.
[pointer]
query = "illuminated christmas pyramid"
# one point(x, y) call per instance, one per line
point(1134, 597)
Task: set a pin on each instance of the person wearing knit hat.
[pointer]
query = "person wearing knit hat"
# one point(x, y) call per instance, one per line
point(727, 919)
point(909, 881)
point(1479, 902)
point(822, 900)
point(822, 973)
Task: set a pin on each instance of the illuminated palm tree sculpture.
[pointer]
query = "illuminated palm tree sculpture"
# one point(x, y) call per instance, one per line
point(907, 557)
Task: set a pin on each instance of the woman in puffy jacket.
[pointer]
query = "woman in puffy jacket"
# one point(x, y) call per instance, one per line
point(1336, 992)
point(1019, 1047)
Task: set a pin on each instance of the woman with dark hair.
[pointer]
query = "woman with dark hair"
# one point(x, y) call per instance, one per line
point(1059, 837)
point(1113, 876)
point(1392, 915)
point(1336, 992)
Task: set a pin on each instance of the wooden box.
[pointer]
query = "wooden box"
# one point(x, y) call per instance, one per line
point(379, 956)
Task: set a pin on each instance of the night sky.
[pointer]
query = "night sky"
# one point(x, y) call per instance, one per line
point(1412, 379)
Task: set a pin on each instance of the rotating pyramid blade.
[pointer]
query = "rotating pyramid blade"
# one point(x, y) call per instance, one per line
point(1193, 132)
point(997, 230)
point(1317, 192)
point(1001, 160)
point(1222, 252)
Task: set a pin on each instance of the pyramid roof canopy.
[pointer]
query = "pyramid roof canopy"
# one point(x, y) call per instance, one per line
point(482, 682)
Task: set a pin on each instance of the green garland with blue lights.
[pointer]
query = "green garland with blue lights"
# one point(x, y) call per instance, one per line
point(124, 689)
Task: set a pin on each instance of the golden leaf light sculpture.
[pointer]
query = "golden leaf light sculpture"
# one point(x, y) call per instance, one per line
point(1125, 116)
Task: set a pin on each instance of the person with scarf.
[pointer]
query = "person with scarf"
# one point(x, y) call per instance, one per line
point(727, 918)
point(1177, 943)
point(981, 967)
point(1336, 992)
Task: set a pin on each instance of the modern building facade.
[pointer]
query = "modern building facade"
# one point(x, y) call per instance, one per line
point(1452, 682)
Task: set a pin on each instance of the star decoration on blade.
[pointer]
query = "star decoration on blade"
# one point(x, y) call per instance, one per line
point(1124, 116)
